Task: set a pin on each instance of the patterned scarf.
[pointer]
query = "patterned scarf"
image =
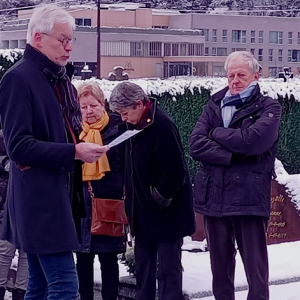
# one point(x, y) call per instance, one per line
point(231, 103)
point(91, 133)
point(69, 102)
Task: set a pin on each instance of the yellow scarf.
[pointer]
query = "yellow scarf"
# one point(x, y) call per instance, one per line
point(91, 134)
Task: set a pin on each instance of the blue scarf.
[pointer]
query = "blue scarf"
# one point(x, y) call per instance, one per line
point(231, 103)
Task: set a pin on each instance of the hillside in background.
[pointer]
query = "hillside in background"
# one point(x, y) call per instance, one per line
point(287, 8)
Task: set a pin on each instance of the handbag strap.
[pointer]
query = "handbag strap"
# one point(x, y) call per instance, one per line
point(90, 189)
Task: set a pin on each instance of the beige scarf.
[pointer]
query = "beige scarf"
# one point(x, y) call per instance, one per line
point(91, 134)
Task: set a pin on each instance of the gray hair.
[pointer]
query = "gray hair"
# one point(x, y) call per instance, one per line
point(254, 66)
point(44, 17)
point(125, 95)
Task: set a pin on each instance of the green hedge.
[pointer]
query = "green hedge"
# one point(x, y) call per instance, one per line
point(186, 109)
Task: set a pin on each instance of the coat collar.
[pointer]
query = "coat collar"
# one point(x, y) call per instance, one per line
point(249, 107)
point(44, 64)
point(148, 117)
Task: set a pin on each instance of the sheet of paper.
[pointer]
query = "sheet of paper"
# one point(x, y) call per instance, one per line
point(123, 137)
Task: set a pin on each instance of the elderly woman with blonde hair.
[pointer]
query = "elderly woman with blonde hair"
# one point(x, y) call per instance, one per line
point(106, 178)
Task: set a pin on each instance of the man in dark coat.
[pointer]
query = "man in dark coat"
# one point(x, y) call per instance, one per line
point(158, 199)
point(235, 141)
point(41, 118)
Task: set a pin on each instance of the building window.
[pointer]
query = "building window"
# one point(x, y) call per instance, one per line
point(206, 51)
point(136, 49)
point(198, 49)
point(298, 40)
point(239, 36)
point(237, 49)
point(224, 38)
point(206, 34)
point(252, 51)
point(289, 55)
point(290, 38)
point(270, 54)
point(275, 37)
point(120, 48)
point(22, 44)
point(167, 49)
point(5, 44)
point(83, 22)
point(194, 50)
point(279, 54)
point(252, 41)
point(175, 51)
point(183, 50)
point(261, 37)
point(214, 35)
point(191, 50)
point(221, 51)
point(219, 71)
point(13, 44)
point(260, 54)
point(155, 49)
point(294, 55)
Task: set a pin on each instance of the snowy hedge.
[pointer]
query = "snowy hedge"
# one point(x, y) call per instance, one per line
point(8, 57)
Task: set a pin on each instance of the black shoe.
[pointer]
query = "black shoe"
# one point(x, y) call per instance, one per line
point(2, 293)
point(18, 294)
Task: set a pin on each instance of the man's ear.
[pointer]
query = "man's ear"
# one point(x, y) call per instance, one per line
point(256, 75)
point(37, 38)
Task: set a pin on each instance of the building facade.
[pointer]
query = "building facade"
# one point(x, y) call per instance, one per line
point(274, 41)
point(162, 43)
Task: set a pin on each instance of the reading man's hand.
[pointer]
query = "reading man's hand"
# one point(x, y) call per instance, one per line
point(89, 152)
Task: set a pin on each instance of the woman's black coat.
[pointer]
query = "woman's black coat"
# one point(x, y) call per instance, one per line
point(155, 161)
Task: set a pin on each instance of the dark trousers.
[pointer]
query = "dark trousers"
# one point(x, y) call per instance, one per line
point(249, 232)
point(109, 275)
point(168, 270)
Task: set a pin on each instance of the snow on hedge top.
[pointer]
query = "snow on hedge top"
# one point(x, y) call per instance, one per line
point(272, 87)
point(11, 54)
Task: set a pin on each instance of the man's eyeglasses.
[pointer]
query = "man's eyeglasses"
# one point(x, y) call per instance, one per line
point(64, 41)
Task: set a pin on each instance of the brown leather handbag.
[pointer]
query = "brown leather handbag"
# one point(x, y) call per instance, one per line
point(108, 216)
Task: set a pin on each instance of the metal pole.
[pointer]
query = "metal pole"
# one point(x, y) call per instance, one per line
point(98, 40)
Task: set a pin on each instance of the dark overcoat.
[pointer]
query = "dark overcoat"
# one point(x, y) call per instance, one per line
point(155, 159)
point(4, 174)
point(110, 187)
point(236, 163)
point(39, 215)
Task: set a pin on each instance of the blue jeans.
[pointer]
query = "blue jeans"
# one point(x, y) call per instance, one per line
point(52, 277)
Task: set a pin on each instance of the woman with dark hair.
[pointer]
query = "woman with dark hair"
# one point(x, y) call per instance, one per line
point(106, 179)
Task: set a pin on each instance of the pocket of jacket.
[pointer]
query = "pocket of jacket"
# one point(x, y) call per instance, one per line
point(247, 189)
point(200, 187)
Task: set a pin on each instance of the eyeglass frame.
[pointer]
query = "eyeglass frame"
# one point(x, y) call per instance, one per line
point(64, 41)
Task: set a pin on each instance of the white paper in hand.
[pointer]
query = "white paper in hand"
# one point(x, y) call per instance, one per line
point(123, 137)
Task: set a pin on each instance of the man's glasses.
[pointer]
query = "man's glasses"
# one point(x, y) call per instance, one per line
point(64, 41)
